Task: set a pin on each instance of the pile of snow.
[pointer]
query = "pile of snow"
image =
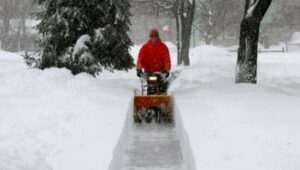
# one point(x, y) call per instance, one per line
point(208, 63)
point(240, 126)
point(7, 56)
point(52, 120)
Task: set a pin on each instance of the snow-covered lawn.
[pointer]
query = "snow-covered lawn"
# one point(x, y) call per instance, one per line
point(51, 120)
point(241, 127)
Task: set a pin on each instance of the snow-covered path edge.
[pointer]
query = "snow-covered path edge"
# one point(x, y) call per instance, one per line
point(185, 146)
point(116, 162)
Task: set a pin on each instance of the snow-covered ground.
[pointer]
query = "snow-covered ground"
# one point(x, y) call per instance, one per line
point(51, 120)
point(234, 127)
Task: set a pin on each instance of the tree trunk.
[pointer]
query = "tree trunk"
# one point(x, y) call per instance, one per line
point(18, 38)
point(247, 53)
point(246, 69)
point(24, 36)
point(6, 25)
point(224, 23)
point(185, 48)
point(178, 30)
point(186, 16)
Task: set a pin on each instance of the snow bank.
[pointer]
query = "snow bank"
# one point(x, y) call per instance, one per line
point(184, 140)
point(233, 127)
point(120, 148)
point(6, 56)
point(53, 120)
point(208, 64)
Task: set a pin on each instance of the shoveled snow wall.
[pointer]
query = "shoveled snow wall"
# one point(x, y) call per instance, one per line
point(185, 147)
point(116, 163)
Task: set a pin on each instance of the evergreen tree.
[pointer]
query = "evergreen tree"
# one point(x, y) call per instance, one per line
point(113, 39)
point(84, 36)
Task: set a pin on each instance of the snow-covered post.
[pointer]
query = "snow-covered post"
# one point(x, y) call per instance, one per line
point(246, 69)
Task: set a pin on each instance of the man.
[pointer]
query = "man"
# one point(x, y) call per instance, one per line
point(154, 56)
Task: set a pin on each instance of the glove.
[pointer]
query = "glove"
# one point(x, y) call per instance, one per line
point(167, 73)
point(139, 73)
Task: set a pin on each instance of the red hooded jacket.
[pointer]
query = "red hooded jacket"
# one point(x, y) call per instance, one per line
point(154, 58)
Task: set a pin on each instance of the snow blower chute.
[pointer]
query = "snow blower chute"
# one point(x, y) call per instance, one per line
point(156, 105)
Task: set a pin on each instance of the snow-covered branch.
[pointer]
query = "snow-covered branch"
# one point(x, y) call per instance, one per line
point(251, 8)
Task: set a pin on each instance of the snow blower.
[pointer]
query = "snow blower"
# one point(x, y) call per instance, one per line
point(156, 105)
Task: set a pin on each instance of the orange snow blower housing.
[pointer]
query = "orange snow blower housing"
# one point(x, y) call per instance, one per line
point(157, 108)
